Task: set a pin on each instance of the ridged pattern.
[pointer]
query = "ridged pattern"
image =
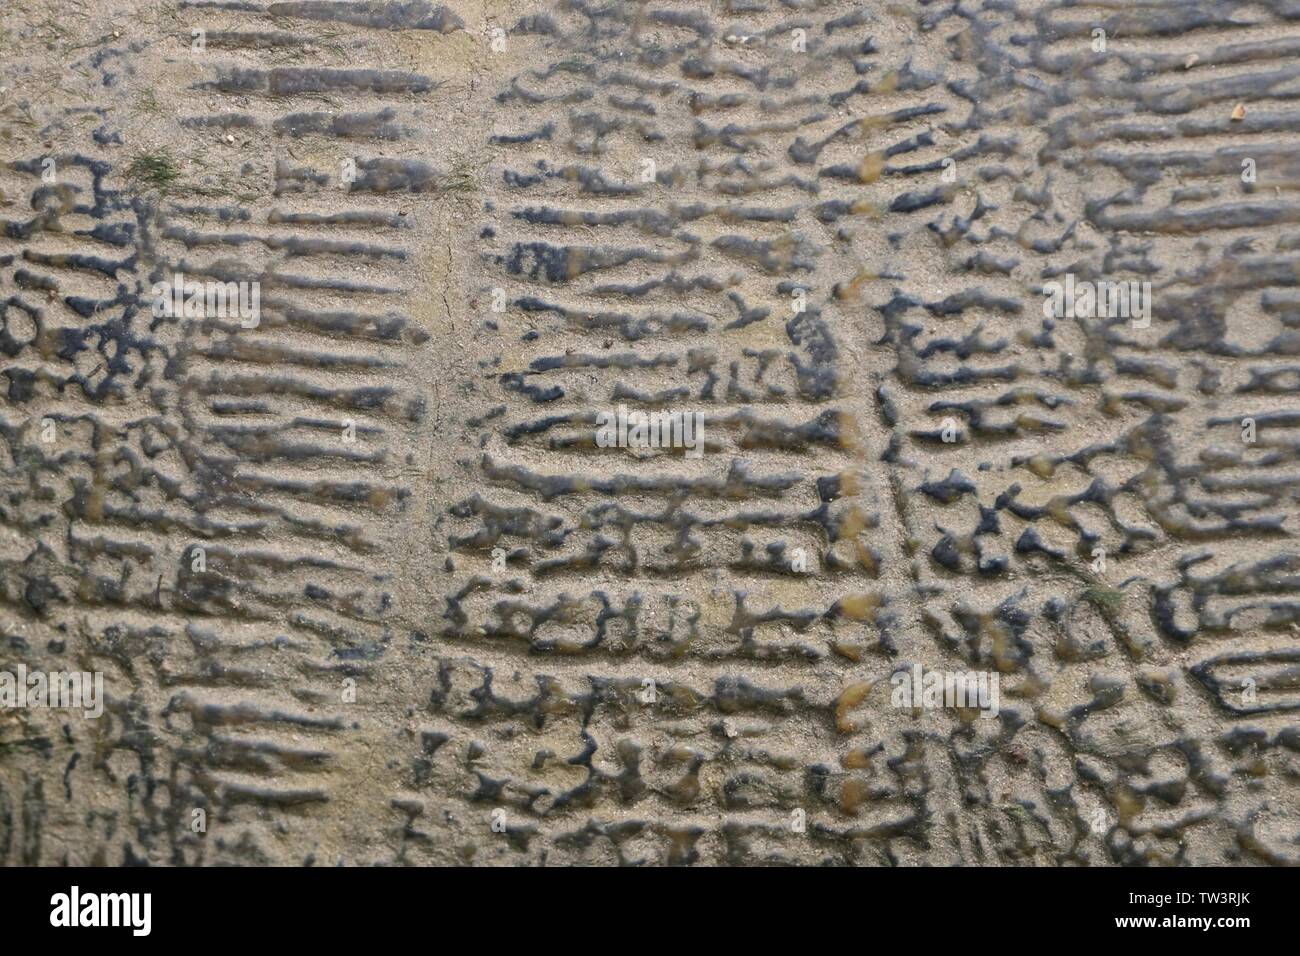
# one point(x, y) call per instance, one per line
point(801, 267)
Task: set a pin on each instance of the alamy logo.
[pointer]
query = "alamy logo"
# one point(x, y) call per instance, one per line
point(208, 300)
point(71, 689)
point(1098, 300)
point(103, 909)
point(624, 429)
point(934, 689)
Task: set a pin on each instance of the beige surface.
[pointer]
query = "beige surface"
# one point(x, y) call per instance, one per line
point(1121, 737)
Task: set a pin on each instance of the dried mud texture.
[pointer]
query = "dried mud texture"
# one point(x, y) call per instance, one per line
point(649, 188)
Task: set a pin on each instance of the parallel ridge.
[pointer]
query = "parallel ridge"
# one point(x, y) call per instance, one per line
point(655, 247)
point(776, 171)
point(284, 452)
point(827, 227)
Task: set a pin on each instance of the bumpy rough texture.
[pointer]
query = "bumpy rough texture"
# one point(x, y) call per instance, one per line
point(650, 189)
